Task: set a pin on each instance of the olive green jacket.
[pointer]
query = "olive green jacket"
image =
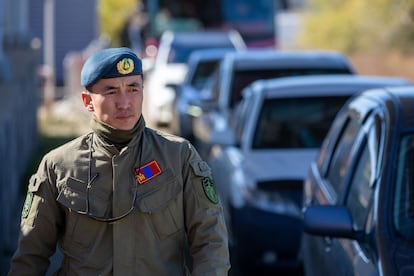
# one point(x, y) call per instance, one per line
point(177, 211)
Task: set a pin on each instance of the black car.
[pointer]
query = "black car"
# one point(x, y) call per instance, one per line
point(359, 193)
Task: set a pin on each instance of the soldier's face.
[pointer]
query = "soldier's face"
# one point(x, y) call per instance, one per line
point(116, 101)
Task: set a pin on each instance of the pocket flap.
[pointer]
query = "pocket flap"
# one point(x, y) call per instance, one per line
point(200, 168)
point(159, 198)
point(73, 196)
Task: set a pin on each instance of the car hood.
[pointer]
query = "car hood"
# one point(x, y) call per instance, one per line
point(278, 164)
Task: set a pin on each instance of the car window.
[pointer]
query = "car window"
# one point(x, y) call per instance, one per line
point(331, 140)
point(359, 194)
point(360, 189)
point(203, 71)
point(295, 122)
point(179, 53)
point(243, 78)
point(340, 156)
point(362, 168)
point(404, 194)
point(240, 116)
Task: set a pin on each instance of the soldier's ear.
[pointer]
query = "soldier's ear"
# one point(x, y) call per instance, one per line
point(87, 101)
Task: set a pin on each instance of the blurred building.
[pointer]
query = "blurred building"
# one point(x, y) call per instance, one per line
point(75, 27)
point(32, 33)
point(19, 90)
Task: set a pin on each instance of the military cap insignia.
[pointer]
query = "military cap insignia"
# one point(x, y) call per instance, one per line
point(147, 172)
point(125, 66)
point(210, 189)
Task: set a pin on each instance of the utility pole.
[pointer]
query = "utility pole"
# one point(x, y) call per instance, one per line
point(49, 53)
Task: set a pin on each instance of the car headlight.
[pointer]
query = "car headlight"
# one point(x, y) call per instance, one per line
point(280, 197)
point(274, 202)
point(194, 110)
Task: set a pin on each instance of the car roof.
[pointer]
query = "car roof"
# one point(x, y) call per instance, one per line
point(401, 97)
point(209, 54)
point(269, 57)
point(322, 85)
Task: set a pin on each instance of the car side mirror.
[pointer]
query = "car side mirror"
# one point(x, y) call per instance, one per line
point(175, 87)
point(331, 221)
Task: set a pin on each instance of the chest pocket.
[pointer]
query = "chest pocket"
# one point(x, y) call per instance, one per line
point(161, 200)
point(73, 196)
point(81, 230)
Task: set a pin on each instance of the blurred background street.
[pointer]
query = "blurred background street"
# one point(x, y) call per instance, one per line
point(43, 44)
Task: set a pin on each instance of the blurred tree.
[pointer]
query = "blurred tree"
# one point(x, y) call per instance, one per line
point(402, 30)
point(356, 25)
point(113, 15)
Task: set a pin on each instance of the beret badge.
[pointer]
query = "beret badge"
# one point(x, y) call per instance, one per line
point(125, 66)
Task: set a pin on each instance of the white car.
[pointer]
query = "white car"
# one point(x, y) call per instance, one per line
point(201, 66)
point(170, 67)
point(260, 162)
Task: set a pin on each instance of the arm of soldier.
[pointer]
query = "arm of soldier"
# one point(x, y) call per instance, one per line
point(39, 226)
point(204, 218)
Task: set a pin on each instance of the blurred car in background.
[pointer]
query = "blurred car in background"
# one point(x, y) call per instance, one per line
point(170, 67)
point(241, 68)
point(200, 67)
point(260, 162)
point(359, 193)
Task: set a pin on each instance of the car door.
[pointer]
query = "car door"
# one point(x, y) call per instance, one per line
point(349, 179)
point(328, 187)
point(358, 195)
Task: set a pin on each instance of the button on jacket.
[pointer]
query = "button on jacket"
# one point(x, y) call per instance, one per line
point(173, 205)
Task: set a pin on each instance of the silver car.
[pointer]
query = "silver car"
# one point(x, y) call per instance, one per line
point(241, 68)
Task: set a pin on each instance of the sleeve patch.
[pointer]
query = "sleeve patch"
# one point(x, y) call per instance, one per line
point(210, 189)
point(34, 184)
point(27, 205)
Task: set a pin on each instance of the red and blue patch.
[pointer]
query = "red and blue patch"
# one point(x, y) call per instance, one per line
point(147, 172)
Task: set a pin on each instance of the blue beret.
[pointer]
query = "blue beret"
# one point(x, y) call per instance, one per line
point(110, 63)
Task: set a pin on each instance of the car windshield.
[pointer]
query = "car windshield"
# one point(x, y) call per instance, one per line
point(404, 196)
point(295, 122)
point(180, 52)
point(202, 73)
point(243, 78)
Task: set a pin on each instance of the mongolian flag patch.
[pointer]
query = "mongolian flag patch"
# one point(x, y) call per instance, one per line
point(147, 172)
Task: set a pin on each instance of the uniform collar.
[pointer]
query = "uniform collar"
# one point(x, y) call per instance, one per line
point(116, 137)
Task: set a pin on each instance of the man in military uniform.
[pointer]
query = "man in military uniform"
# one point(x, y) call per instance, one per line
point(123, 199)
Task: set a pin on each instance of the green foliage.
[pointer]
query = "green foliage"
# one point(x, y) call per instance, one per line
point(356, 25)
point(112, 16)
